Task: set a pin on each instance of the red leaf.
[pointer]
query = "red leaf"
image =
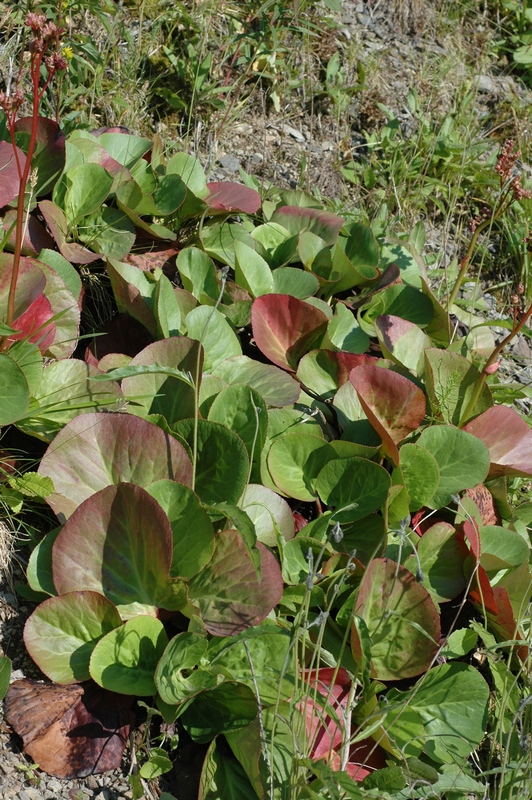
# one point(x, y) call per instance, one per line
point(232, 197)
point(394, 405)
point(482, 593)
point(325, 732)
point(472, 534)
point(10, 182)
point(34, 324)
point(507, 437)
point(285, 328)
point(49, 155)
point(57, 224)
point(483, 499)
point(504, 622)
point(70, 731)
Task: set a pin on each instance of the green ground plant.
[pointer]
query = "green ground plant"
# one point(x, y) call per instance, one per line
point(281, 490)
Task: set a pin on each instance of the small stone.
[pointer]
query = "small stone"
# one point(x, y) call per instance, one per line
point(103, 795)
point(257, 158)
point(327, 146)
point(243, 128)
point(293, 132)
point(92, 783)
point(230, 163)
point(30, 794)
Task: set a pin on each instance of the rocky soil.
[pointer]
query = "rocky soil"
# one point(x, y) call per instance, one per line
point(273, 147)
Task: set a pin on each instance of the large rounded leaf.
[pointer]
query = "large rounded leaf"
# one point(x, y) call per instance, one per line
point(222, 461)
point(402, 621)
point(62, 632)
point(443, 716)
point(228, 707)
point(463, 460)
point(177, 678)
point(192, 531)
point(421, 474)
point(98, 450)
point(451, 381)
point(441, 554)
point(286, 328)
point(294, 462)
point(273, 384)
point(354, 486)
point(66, 390)
point(270, 514)
point(14, 391)
point(243, 410)
point(394, 405)
point(508, 439)
point(227, 591)
point(125, 660)
point(159, 393)
point(118, 542)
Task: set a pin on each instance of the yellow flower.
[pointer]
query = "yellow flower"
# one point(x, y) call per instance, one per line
point(67, 53)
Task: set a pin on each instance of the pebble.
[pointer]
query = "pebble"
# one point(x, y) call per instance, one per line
point(230, 163)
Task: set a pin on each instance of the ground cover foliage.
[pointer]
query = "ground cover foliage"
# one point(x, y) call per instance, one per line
point(277, 499)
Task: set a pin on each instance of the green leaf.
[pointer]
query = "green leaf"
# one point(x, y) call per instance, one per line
point(198, 275)
point(87, 187)
point(421, 474)
point(166, 309)
point(451, 381)
point(441, 555)
point(222, 462)
point(294, 462)
point(176, 677)
point(296, 282)
point(258, 659)
point(275, 386)
point(108, 231)
point(402, 620)
point(169, 194)
point(251, 270)
point(501, 548)
point(62, 632)
point(463, 460)
point(39, 572)
point(31, 484)
point(345, 333)
point(223, 709)
point(242, 410)
point(5, 675)
point(64, 392)
point(157, 764)
point(355, 487)
point(192, 531)
point(399, 301)
point(125, 660)
point(127, 149)
point(68, 274)
point(14, 391)
point(211, 328)
point(223, 778)
point(459, 643)
point(29, 358)
point(269, 513)
point(444, 715)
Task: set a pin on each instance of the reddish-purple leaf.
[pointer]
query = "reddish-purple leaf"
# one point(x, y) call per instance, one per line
point(394, 405)
point(227, 591)
point(34, 324)
point(9, 176)
point(70, 731)
point(155, 256)
point(297, 219)
point(57, 224)
point(402, 620)
point(117, 543)
point(507, 437)
point(325, 733)
point(49, 155)
point(36, 238)
point(504, 622)
point(285, 328)
point(481, 591)
point(232, 197)
point(96, 450)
